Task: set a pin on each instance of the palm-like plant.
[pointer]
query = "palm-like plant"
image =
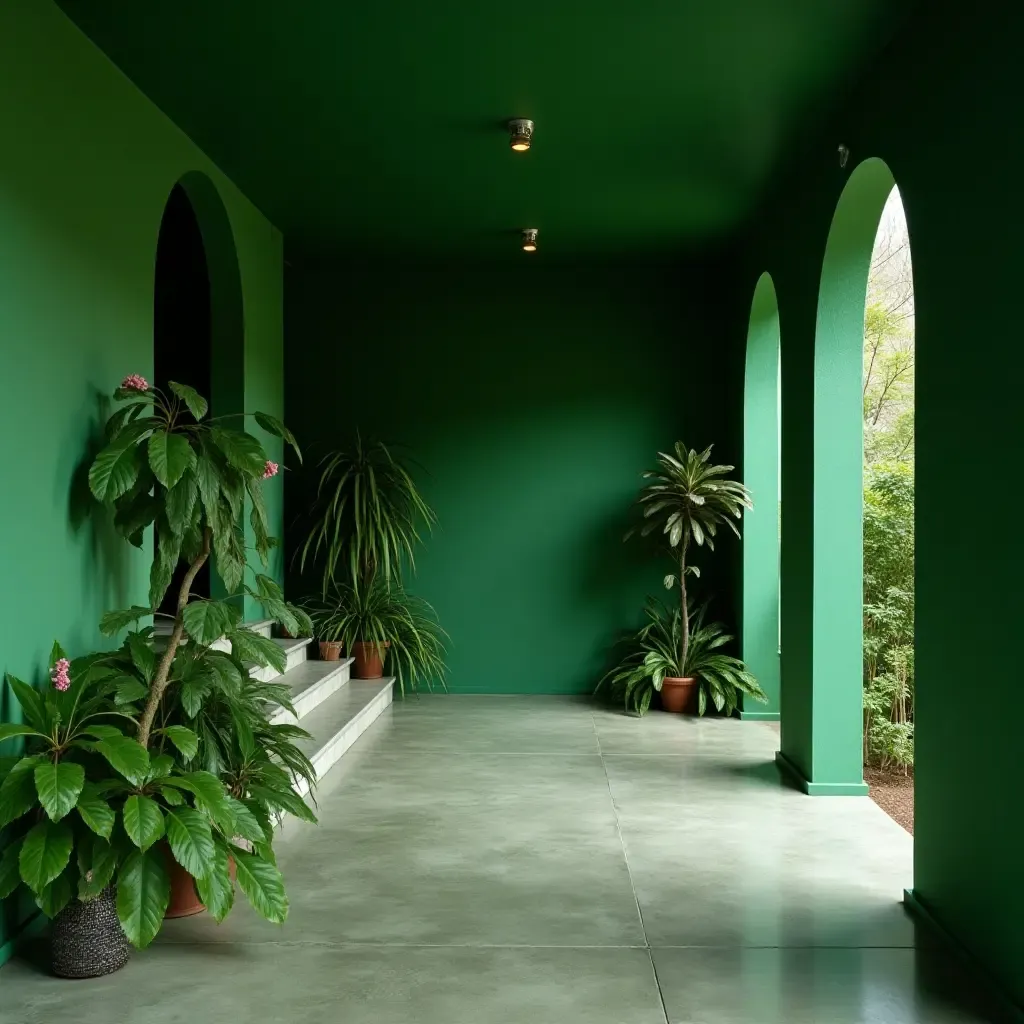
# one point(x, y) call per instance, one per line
point(387, 616)
point(654, 653)
point(367, 516)
point(688, 499)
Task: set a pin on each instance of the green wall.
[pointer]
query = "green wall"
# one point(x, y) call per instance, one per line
point(533, 397)
point(936, 108)
point(88, 163)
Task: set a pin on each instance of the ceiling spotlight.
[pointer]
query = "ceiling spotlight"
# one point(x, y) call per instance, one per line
point(529, 239)
point(520, 132)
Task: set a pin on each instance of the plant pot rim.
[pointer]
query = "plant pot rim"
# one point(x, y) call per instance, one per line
point(374, 643)
point(679, 680)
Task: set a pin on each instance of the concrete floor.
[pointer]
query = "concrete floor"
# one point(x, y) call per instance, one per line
point(535, 861)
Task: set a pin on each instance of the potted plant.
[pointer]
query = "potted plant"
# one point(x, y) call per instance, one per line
point(392, 624)
point(366, 524)
point(88, 804)
point(687, 499)
point(653, 657)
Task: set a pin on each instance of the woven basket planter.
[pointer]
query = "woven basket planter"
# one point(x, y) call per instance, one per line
point(87, 940)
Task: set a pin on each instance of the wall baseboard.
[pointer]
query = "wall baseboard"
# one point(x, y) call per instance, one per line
point(818, 788)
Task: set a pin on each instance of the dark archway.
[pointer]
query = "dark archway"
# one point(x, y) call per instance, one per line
point(182, 325)
point(198, 321)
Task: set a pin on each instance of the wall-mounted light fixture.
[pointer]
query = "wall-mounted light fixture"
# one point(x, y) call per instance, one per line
point(529, 239)
point(520, 134)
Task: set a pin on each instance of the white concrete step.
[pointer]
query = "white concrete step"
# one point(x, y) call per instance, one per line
point(162, 630)
point(340, 720)
point(311, 683)
point(295, 654)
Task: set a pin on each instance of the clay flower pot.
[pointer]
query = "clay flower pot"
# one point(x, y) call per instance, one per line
point(369, 658)
point(330, 650)
point(678, 693)
point(185, 901)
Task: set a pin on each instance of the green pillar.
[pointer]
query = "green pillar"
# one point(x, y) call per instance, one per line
point(822, 480)
point(760, 635)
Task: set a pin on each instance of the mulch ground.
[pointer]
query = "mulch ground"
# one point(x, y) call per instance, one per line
point(894, 793)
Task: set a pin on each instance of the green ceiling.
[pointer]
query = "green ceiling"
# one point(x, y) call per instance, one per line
point(377, 126)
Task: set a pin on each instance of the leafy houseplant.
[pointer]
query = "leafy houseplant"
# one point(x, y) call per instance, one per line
point(687, 500)
point(88, 803)
point(383, 615)
point(366, 524)
point(164, 753)
point(367, 517)
point(653, 656)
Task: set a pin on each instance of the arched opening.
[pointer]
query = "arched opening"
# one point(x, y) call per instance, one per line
point(182, 326)
point(761, 462)
point(198, 322)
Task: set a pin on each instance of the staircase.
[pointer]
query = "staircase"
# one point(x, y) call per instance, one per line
point(335, 710)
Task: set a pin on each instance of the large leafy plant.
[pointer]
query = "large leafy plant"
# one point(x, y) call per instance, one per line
point(88, 803)
point(166, 463)
point(687, 500)
point(367, 517)
point(654, 653)
point(386, 615)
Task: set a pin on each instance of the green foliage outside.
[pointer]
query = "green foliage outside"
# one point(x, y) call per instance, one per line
point(889, 498)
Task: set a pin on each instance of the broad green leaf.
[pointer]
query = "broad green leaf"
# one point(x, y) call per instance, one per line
point(241, 450)
point(262, 884)
point(114, 622)
point(128, 690)
point(208, 621)
point(171, 796)
point(143, 821)
point(9, 732)
point(116, 467)
point(168, 550)
point(274, 426)
point(160, 767)
point(45, 854)
point(193, 692)
point(197, 405)
point(135, 513)
point(58, 786)
point(126, 756)
point(143, 655)
point(97, 861)
point(283, 799)
point(18, 791)
point(249, 646)
point(103, 732)
point(95, 811)
point(246, 825)
point(191, 840)
point(10, 873)
point(33, 709)
point(217, 890)
point(211, 795)
point(184, 739)
point(56, 653)
point(181, 500)
point(55, 896)
point(143, 892)
point(170, 455)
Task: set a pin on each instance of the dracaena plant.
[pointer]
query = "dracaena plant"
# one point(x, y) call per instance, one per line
point(86, 803)
point(687, 500)
point(167, 463)
point(653, 653)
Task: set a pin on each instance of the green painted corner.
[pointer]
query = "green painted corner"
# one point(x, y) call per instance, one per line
point(852, 788)
point(33, 926)
point(918, 908)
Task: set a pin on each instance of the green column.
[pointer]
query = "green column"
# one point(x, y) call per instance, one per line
point(760, 634)
point(822, 567)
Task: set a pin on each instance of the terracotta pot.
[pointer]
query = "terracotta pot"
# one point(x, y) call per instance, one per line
point(185, 901)
point(369, 659)
point(678, 693)
point(330, 650)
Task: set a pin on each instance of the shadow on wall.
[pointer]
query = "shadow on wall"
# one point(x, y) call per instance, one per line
point(105, 557)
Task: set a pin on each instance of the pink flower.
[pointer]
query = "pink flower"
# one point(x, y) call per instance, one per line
point(270, 469)
point(59, 677)
point(134, 382)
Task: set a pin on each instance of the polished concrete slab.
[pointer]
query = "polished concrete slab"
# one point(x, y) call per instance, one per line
point(522, 859)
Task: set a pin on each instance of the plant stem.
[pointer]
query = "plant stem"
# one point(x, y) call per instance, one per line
point(684, 646)
point(163, 671)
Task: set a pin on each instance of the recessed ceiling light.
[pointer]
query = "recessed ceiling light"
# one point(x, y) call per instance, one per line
point(520, 132)
point(529, 239)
